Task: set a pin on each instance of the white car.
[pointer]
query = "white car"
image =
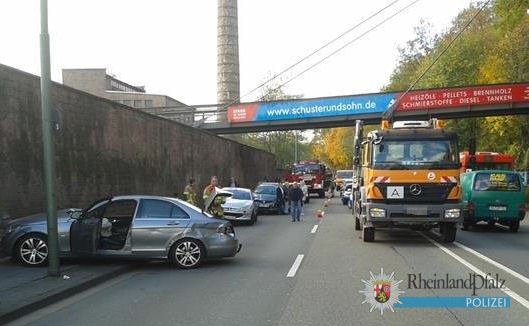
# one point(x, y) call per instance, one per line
point(241, 206)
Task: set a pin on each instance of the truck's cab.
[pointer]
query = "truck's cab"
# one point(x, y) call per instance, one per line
point(313, 173)
point(407, 176)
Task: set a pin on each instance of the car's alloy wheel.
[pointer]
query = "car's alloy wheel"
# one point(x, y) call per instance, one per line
point(32, 250)
point(187, 253)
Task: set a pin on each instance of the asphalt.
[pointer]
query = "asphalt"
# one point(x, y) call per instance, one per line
point(253, 288)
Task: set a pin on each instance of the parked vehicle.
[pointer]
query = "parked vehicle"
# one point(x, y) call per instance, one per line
point(270, 197)
point(241, 206)
point(343, 177)
point(406, 176)
point(130, 226)
point(346, 194)
point(316, 176)
point(485, 161)
point(494, 197)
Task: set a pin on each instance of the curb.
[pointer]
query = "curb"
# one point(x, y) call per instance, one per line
point(41, 303)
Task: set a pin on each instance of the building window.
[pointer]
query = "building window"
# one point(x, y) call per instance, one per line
point(138, 103)
point(127, 102)
point(148, 103)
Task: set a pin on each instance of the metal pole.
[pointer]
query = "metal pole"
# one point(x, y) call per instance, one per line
point(47, 141)
point(296, 147)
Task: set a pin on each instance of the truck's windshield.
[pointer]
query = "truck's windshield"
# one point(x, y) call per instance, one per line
point(417, 153)
point(306, 168)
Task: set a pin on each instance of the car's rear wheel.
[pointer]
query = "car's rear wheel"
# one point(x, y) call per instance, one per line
point(32, 250)
point(514, 226)
point(187, 253)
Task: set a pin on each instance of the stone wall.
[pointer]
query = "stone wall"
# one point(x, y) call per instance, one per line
point(104, 148)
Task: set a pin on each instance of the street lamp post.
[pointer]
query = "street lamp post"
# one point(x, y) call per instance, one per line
point(47, 140)
point(296, 147)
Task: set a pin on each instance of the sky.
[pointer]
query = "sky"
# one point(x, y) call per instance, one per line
point(169, 46)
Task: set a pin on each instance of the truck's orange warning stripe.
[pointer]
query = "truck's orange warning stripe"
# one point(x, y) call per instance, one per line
point(380, 180)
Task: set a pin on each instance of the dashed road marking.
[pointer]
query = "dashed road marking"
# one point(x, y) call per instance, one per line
point(521, 300)
point(314, 229)
point(293, 270)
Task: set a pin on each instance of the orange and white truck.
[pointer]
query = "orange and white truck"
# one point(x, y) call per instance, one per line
point(406, 175)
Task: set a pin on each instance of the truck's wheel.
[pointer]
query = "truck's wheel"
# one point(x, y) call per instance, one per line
point(466, 226)
point(514, 226)
point(321, 194)
point(357, 224)
point(448, 232)
point(369, 234)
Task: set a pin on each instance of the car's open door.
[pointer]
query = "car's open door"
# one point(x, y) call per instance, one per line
point(85, 230)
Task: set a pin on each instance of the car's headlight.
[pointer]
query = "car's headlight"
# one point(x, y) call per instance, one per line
point(453, 213)
point(377, 212)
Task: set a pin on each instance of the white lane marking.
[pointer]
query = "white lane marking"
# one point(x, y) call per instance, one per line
point(43, 312)
point(314, 229)
point(293, 270)
point(521, 300)
point(493, 262)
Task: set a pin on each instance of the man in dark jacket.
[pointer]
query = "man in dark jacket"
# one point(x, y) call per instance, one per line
point(296, 197)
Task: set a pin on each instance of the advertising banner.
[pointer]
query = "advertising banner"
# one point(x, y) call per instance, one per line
point(314, 108)
point(457, 97)
point(378, 103)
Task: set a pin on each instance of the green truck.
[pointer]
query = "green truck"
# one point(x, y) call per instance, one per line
point(493, 196)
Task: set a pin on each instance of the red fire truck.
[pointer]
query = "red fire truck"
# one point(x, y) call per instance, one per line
point(314, 173)
point(486, 161)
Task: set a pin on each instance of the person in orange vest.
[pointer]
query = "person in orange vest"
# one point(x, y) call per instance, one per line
point(189, 192)
point(210, 188)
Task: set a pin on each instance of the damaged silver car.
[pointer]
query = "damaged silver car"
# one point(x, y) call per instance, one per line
point(131, 226)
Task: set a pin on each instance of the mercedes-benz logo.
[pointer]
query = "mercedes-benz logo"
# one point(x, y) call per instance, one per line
point(415, 189)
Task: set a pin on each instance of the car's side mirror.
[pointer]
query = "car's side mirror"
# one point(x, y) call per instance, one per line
point(75, 214)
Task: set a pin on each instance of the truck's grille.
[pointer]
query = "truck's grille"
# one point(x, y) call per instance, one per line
point(430, 192)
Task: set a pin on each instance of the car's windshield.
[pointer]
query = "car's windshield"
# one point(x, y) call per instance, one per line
point(266, 190)
point(239, 194)
point(497, 182)
point(417, 153)
point(344, 174)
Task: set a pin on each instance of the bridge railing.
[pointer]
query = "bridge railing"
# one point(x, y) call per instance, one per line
point(195, 116)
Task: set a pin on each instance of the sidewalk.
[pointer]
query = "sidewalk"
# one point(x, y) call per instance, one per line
point(26, 289)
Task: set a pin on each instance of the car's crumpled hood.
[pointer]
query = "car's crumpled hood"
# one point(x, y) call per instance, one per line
point(62, 216)
point(237, 203)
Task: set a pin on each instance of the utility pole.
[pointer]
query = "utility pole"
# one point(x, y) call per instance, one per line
point(296, 147)
point(47, 141)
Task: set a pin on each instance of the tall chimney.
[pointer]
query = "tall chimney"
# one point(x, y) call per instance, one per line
point(228, 86)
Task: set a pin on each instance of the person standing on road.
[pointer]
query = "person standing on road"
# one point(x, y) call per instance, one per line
point(210, 188)
point(296, 197)
point(190, 193)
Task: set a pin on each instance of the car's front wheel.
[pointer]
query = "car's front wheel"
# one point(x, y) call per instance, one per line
point(187, 253)
point(32, 250)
